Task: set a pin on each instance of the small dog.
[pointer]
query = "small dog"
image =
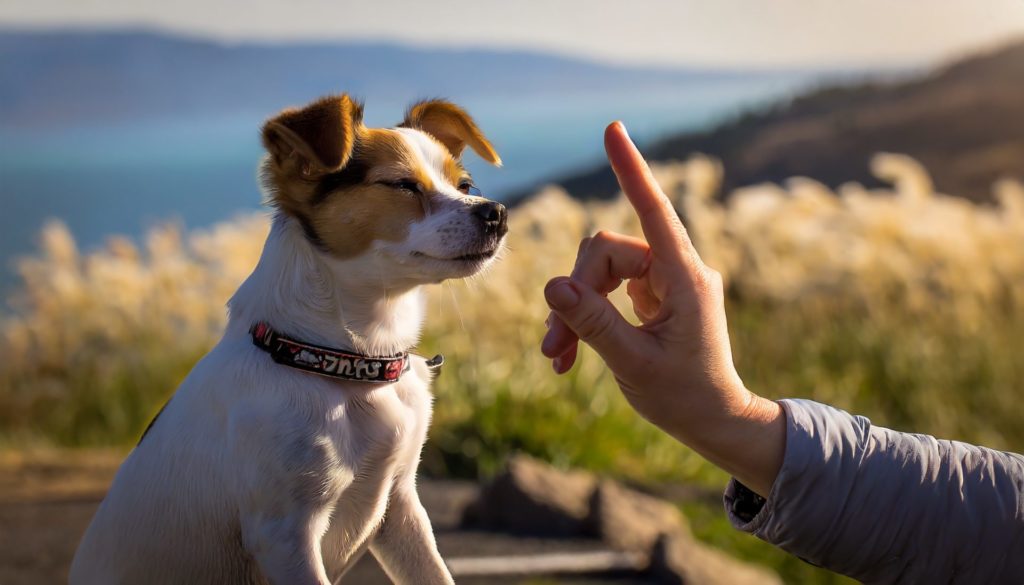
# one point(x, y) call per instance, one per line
point(292, 447)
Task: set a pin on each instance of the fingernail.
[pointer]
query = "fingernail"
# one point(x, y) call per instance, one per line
point(562, 296)
point(545, 343)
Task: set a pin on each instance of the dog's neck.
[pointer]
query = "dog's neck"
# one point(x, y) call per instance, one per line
point(304, 294)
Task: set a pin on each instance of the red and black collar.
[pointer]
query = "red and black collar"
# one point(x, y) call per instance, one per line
point(332, 362)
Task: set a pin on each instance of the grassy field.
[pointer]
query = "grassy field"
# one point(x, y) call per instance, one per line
point(902, 305)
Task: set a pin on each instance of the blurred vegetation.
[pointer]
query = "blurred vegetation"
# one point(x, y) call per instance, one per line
point(898, 304)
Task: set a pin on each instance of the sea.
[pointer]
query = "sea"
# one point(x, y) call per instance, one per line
point(122, 178)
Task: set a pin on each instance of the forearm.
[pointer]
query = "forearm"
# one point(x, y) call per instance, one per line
point(747, 441)
point(889, 507)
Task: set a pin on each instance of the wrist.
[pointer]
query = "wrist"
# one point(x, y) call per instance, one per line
point(714, 415)
point(756, 454)
point(747, 439)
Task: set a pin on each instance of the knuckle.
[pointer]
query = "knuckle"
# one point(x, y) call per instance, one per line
point(709, 282)
point(604, 239)
point(581, 254)
point(714, 276)
point(595, 325)
point(703, 281)
point(584, 244)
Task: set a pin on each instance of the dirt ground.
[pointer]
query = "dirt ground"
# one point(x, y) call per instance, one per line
point(47, 499)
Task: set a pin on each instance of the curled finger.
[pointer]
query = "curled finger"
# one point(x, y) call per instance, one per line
point(609, 258)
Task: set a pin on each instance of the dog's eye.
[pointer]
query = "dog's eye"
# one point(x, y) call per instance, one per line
point(469, 188)
point(407, 185)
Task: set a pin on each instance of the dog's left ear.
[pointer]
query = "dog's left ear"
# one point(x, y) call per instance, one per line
point(319, 137)
point(452, 127)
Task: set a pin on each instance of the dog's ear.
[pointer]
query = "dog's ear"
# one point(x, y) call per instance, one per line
point(452, 127)
point(319, 137)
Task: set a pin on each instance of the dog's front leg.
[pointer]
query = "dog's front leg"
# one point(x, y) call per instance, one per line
point(287, 478)
point(405, 544)
point(286, 548)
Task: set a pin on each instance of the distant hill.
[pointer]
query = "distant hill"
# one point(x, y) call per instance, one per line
point(964, 121)
point(61, 77)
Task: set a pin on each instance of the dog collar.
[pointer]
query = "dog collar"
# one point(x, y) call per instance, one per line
point(332, 362)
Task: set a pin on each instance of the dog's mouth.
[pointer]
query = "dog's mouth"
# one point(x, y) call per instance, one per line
point(467, 258)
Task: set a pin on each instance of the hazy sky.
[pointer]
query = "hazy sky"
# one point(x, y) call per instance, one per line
point(705, 32)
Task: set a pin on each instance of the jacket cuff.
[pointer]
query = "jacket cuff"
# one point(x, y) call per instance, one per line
point(754, 514)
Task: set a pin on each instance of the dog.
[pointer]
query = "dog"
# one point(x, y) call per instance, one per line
point(292, 447)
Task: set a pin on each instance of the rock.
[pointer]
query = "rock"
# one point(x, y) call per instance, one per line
point(532, 498)
point(685, 561)
point(631, 521)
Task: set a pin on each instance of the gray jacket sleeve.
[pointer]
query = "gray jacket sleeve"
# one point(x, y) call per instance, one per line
point(887, 507)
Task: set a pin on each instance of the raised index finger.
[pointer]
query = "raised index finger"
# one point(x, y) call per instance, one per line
point(662, 228)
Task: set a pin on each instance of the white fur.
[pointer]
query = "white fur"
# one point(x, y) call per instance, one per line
point(259, 473)
point(449, 230)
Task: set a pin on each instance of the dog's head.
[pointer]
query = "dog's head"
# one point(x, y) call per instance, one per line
point(397, 197)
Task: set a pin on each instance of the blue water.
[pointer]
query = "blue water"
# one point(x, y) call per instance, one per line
point(120, 179)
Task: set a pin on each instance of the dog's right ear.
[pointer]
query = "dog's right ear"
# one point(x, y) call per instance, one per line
point(316, 139)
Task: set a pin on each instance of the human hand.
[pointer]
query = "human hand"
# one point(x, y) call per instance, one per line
point(676, 368)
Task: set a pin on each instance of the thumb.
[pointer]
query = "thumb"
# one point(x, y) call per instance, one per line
point(593, 319)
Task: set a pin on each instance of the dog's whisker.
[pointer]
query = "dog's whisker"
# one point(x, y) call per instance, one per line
point(458, 310)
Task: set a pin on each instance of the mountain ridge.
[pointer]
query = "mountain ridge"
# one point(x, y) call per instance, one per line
point(123, 73)
point(963, 120)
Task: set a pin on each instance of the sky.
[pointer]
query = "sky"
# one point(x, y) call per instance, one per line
point(758, 33)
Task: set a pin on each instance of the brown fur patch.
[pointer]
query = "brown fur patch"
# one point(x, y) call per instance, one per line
point(307, 144)
point(351, 219)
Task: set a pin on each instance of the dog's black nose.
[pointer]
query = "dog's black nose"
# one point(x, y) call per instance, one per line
point(494, 215)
